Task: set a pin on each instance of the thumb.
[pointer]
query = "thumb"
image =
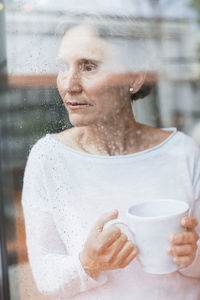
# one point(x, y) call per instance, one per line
point(98, 226)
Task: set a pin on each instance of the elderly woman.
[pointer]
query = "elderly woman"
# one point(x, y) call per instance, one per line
point(78, 180)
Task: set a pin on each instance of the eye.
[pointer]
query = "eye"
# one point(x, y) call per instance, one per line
point(88, 66)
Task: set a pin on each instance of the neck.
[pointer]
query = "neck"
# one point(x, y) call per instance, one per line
point(117, 136)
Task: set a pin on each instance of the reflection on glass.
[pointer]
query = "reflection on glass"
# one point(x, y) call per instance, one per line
point(161, 48)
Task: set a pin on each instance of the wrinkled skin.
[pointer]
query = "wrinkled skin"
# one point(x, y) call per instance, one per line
point(83, 79)
point(106, 249)
point(110, 249)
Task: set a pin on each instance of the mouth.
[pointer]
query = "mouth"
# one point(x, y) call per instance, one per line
point(77, 105)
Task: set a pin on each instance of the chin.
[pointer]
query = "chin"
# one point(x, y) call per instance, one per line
point(80, 122)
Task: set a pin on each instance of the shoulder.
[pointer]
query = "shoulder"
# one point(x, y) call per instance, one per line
point(179, 140)
point(42, 150)
point(178, 143)
point(184, 150)
point(39, 147)
point(46, 149)
point(45, 143)
point(187, 143)
point(153, 136)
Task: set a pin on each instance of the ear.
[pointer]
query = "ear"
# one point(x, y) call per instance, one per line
point(139, 81)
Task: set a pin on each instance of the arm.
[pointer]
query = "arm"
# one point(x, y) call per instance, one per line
point(193, 269)
point(55, 272)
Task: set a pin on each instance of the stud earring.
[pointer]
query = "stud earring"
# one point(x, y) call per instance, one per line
point(131, 90)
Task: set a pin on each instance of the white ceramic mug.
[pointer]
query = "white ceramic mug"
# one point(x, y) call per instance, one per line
point(151, 224)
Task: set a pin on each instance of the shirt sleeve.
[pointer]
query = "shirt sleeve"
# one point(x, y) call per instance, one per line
point(193, 270)
point(55, 272)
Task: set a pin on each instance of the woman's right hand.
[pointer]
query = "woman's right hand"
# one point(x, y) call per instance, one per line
point(106, 249)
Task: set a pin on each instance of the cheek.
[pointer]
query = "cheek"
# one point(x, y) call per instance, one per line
point(94, 85)
point(105, 83)
point(107, 96)
point(60, 86)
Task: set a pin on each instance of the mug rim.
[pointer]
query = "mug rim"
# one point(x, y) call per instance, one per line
point(185, 209)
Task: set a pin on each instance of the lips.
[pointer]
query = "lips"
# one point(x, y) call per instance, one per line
point(77, 105)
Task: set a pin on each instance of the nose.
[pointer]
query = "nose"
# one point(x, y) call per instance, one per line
point(73, 82)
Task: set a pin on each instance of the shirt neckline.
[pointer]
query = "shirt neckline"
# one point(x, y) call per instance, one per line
point(173, 131)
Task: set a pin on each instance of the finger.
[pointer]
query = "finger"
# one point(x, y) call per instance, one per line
point(98, 226)
point(183, 260)
point(183, 250)
point(124, 253)
point(117, 246)
point(129, 257)
point(188, 237)
point(189, 222)
point(110, 235)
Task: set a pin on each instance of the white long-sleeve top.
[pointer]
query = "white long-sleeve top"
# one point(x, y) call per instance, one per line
point(64, 193)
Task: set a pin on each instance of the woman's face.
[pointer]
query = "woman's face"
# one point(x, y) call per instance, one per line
point(90, 87)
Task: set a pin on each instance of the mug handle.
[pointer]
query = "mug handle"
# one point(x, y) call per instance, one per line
point(181, 267)
point(119, 221)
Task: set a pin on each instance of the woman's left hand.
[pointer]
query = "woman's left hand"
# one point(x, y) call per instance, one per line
point(184, 244)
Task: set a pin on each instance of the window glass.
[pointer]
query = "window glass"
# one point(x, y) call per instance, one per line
point(155, 43)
